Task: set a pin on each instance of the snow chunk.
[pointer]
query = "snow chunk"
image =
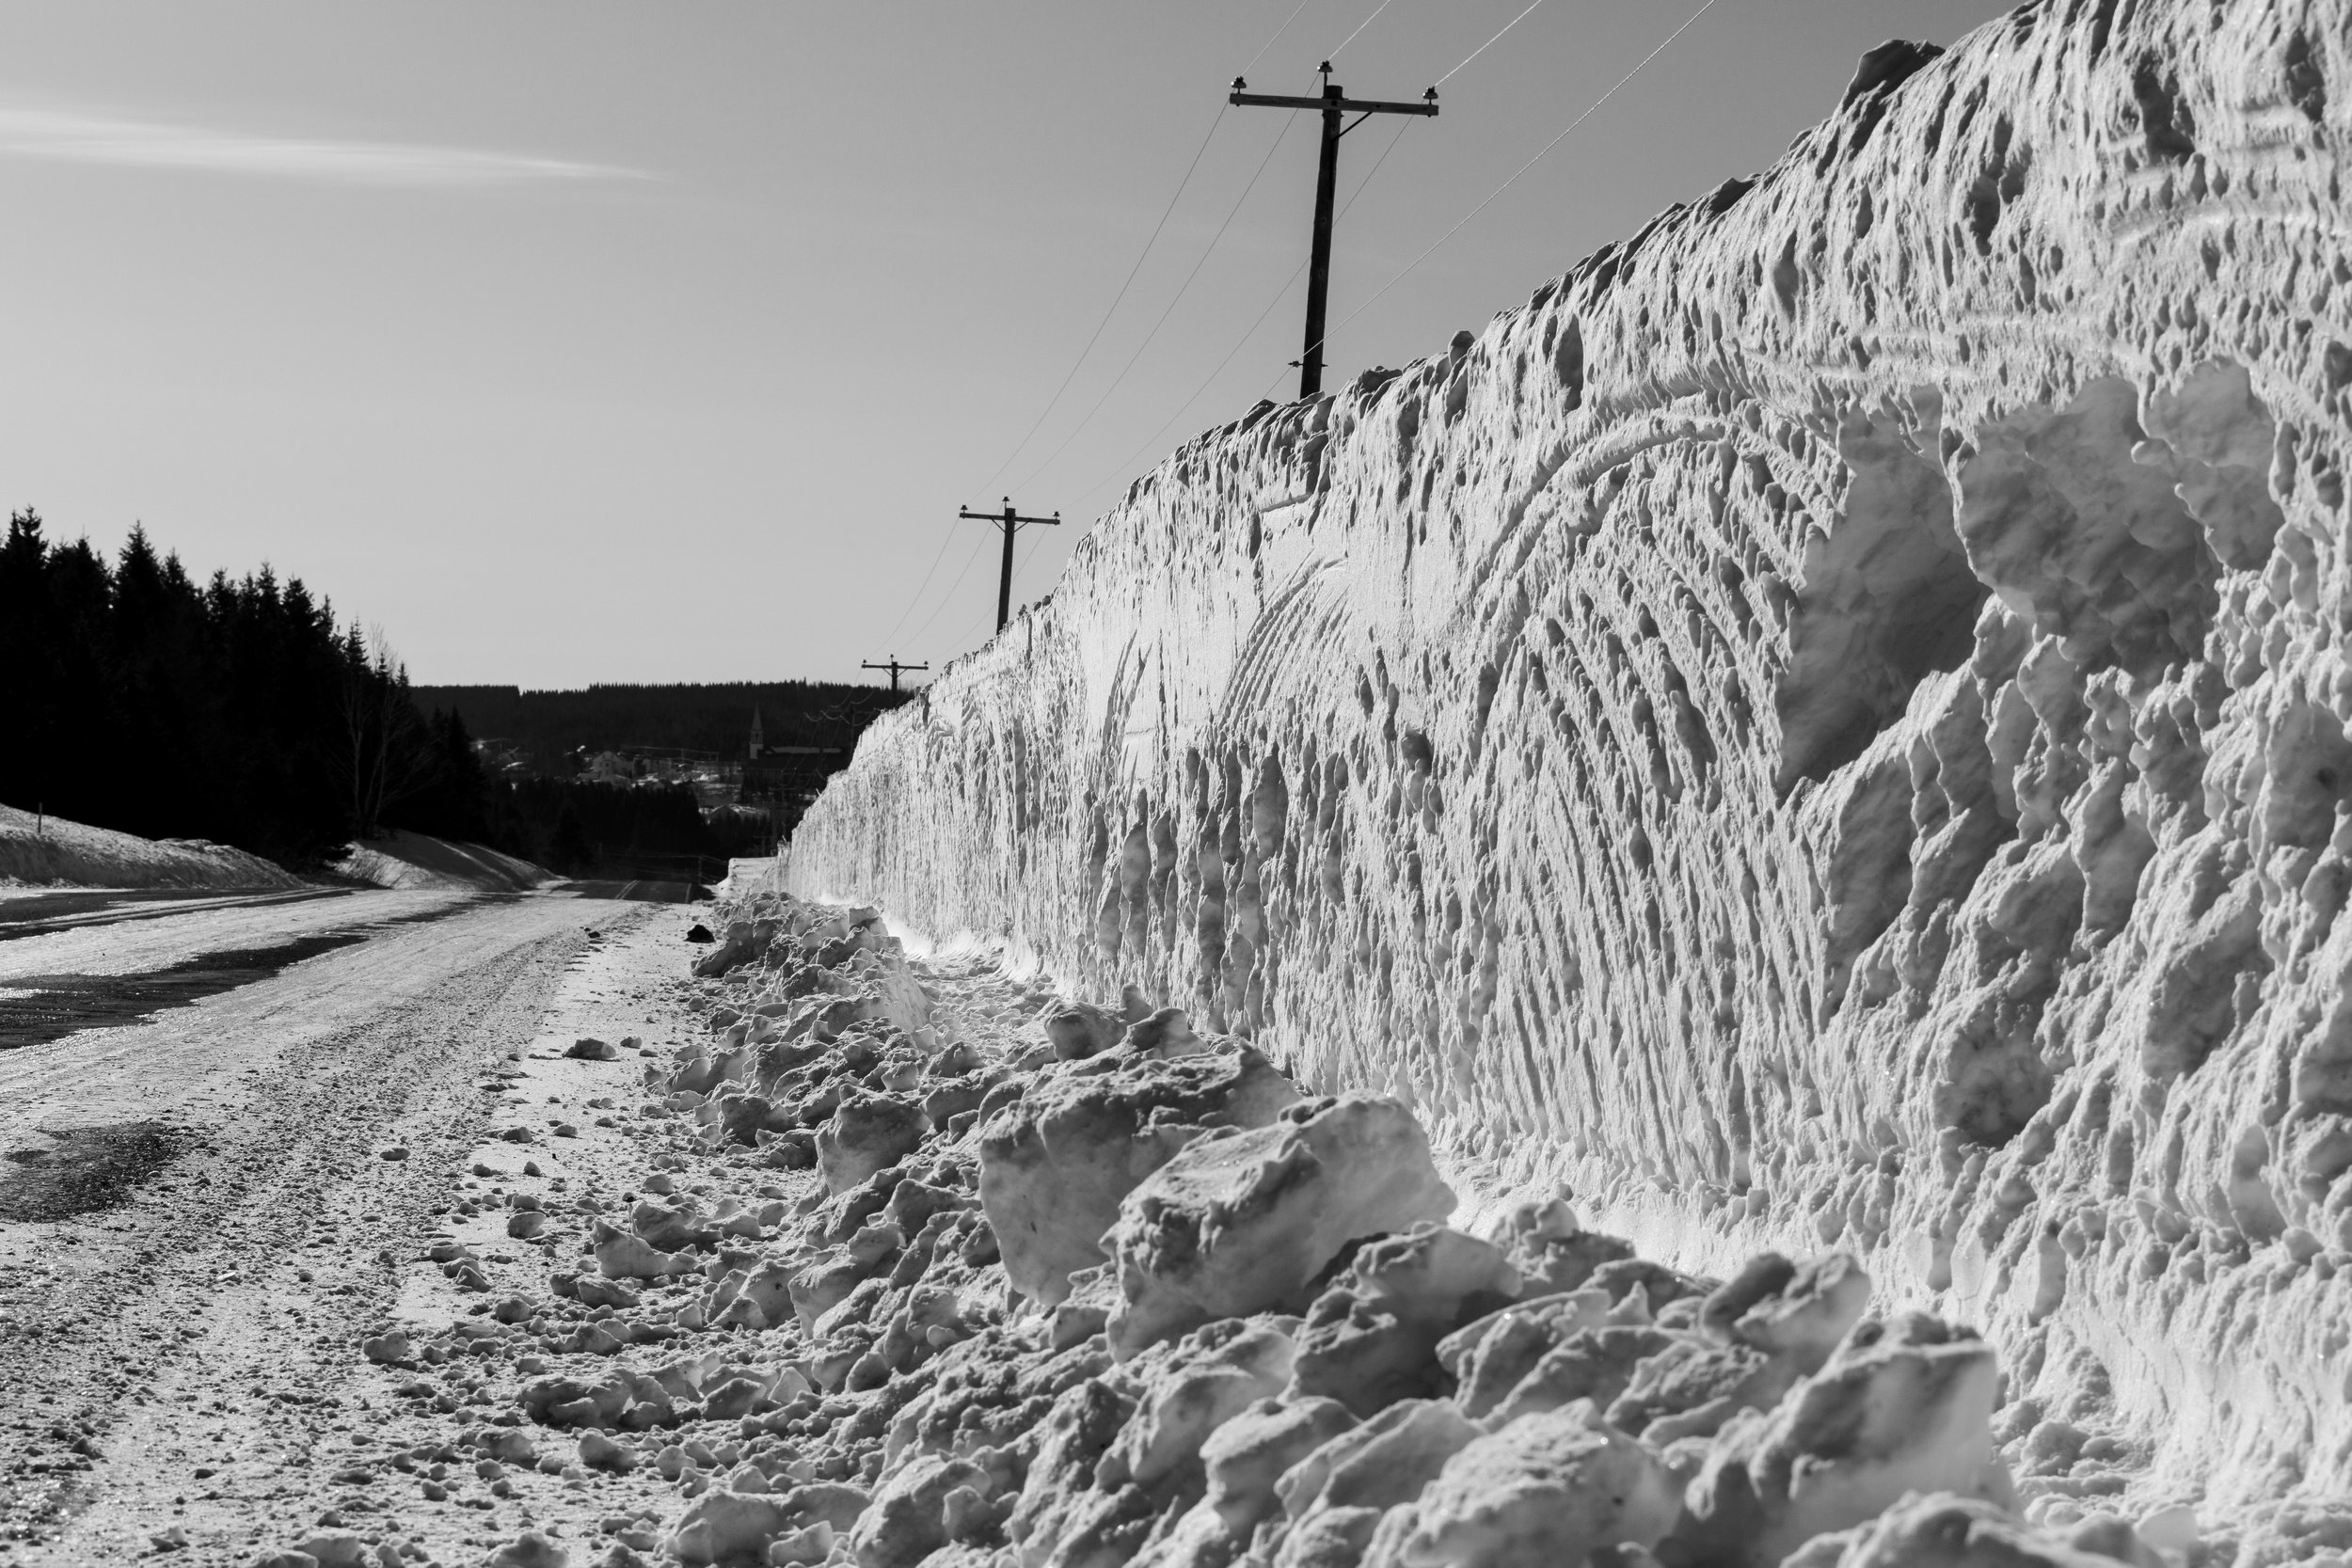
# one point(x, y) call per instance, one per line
point(1902, 1407)
point(1055, 1165)
point(1544, 1489)
point(1943, 1530)
point(1241, 1222)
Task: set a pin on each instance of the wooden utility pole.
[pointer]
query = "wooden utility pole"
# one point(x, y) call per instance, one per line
point(1012, 523)
point(1333, 104)
point(894, 667)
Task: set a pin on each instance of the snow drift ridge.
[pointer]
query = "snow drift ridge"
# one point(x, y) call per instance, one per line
point(1826, 726)
point(40, 849)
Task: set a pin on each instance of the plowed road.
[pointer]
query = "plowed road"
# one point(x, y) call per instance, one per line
point(163, 1176)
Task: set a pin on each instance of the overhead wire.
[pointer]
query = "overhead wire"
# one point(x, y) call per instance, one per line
point(1182, 185)
point(1125, 284)
point(1489, 199)
point(1360, 27)
point(947, 598)
point(1278, 33)
point(963, 638)
point(1269, 44)
point(1116, 300)
point(1590, 110)
point(1181, 288)
point(1488, 44)
point(1023, 567)
point(1252, 331)
point(917, 599)
point(1432, 249)
point(1020, 570)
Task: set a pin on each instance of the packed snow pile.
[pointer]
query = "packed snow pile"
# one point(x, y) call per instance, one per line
point(411, 860)
point(44, 850)
point(1098, 1289)
point(1826, 729)
point(745, 874)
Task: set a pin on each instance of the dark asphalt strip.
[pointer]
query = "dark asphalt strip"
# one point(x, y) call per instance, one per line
point(36, 918)
point(59, 1005)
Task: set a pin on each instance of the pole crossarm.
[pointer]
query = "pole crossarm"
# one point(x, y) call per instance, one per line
point(1011, 522)
point(1346, 105)
point(894, 668)
point(1018, 522)
point(1334, 106)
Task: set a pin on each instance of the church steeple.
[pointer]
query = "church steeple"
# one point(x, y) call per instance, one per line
point(758, 736)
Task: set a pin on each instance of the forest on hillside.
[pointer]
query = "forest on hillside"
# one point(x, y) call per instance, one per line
point(242, 710)
point(710, 719)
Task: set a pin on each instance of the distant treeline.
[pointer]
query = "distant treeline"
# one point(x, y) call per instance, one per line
point(574, 826)
point(136, 698)
point(715, 718)
point(582, 828)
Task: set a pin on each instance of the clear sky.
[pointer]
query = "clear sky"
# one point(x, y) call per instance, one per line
point(576, 342)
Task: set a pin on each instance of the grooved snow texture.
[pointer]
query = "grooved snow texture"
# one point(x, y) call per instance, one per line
point(1825, 727)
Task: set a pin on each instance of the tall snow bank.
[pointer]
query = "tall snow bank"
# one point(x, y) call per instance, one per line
point(1825, 727)
point(43, 849)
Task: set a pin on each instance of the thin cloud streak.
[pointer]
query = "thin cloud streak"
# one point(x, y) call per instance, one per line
point(67, 137)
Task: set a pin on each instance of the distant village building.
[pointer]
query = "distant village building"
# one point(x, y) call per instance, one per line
point(508, 758)
point(612, 767)
point(786, 779)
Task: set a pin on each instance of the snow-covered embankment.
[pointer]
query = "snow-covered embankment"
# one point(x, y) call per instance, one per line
point(42, 850)
point(410, 861)
point(1826, 727)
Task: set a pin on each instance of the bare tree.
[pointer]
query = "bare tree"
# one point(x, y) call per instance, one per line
point(384, 755)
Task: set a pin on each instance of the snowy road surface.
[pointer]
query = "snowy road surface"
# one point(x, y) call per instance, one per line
point(37, 911)
point(196, 1206)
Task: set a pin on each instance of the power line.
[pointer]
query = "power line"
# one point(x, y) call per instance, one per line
point(1019, 573)
point(1234, 211)
point(1249, 332)
point(917, 599)
point(916, 638)
point(1395, 136)
point(1116, 300)
point(964, 639)
point(1008, 522)
point(1360, 27)
point(1278, 33)
point(1075, 364)
point(1589, 111)
point(1332, 105)
point(1490, 42)
point(1269, 44)
point(894, 668)
point(1151, 439)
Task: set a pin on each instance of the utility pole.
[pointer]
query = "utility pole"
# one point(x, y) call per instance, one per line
point(1333, 104)
point(1012, 523)
point(894, 667)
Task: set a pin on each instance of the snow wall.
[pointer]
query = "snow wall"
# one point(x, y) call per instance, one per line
point(1827, 727)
